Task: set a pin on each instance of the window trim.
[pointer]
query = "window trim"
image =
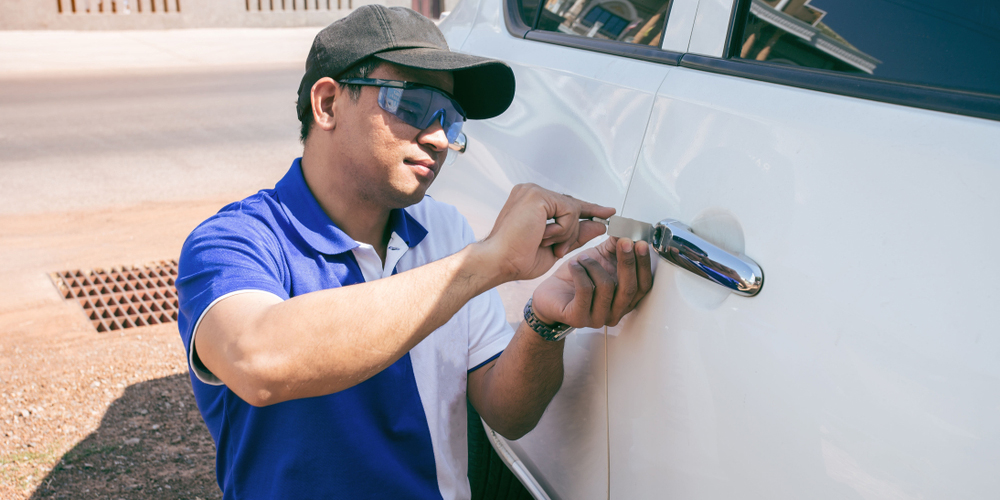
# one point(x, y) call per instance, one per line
point(906, 94)
point(613, 47)
point(518, 28)
point(737, 25)
point(512, 18)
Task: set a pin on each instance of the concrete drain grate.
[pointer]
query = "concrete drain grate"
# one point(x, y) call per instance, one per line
point(123, 297)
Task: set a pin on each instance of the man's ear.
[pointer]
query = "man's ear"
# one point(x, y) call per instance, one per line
point(324, 95)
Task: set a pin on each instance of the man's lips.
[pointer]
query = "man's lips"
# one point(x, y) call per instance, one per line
point(429, 165)
point(423, 163)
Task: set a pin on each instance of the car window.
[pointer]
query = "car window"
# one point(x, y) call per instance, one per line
point(952, 44)
point(632, 21)
point(527, 8)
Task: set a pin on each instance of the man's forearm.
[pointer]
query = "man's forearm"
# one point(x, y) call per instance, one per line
point(515, 390)
point(330, 340)
point(267, 350)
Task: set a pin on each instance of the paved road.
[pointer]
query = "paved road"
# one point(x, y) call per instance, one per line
point(124, 138)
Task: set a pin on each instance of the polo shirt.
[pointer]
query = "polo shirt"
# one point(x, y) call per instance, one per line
point(399, 434)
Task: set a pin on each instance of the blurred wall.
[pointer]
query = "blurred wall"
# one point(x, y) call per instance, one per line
point(172, 14)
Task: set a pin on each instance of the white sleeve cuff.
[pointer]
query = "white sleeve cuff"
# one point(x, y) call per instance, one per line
point(196, 366)
point(492, 349)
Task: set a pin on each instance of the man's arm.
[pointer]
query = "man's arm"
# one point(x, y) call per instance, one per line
point(267, 350)
point(592, 290)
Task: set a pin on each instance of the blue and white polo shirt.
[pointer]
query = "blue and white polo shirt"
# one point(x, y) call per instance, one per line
point(400, 434)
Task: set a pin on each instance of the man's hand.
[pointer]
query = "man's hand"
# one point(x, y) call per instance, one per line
point(525, 246)
point(594, 289)
point(597, 287)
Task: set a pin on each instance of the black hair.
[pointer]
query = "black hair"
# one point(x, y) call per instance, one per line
point(360, 69)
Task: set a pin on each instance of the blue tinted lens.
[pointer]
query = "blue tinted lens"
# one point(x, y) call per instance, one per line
point(388, 99)
point(420, 107)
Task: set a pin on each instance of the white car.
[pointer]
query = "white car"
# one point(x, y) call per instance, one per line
point(851, 149)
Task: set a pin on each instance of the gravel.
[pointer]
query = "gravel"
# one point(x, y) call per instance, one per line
point(109, 416)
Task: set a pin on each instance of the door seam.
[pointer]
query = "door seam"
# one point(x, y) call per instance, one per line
point(638, 153)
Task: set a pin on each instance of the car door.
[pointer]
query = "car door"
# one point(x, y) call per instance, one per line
point(868, 366)
point(575, 127)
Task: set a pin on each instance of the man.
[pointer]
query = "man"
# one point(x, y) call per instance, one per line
point(315, 389)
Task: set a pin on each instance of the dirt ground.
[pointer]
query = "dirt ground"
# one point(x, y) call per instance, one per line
point(86, 414)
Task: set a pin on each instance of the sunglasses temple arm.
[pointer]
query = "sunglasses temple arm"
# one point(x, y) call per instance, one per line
point(460, 143)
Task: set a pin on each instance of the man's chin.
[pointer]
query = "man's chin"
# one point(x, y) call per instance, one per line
point(411, 197)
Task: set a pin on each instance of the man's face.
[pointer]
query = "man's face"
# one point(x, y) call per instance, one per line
point(393, 162)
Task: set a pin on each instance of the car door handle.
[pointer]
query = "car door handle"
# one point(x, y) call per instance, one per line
point(678, 244)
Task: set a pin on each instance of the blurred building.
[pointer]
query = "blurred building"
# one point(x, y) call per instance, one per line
point(173, 14)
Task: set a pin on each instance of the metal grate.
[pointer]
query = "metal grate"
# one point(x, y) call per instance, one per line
point(123, 297)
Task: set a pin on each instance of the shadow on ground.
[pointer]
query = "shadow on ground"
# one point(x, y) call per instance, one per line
point(152, 444)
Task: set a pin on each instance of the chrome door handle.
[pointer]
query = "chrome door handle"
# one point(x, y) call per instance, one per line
point(676, 243)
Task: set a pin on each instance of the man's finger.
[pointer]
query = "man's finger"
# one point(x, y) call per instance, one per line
point(627, 281)
point(552, 230)
point(566, 213)
point(561, 230)
point(571, 223)
point(583, 295)
point(589, 210)
point(583, 210)
point(604, 291)
point(643, 271)
point(588, 230)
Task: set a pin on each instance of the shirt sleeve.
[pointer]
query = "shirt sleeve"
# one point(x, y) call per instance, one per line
point(228, 254)
point(489, 332)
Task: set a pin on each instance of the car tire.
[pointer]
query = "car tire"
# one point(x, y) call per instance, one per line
point(489, 476)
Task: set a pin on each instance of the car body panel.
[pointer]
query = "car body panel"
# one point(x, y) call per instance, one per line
point(867, 367)
point(680, 22)
point(458, 24)
point(708, 36)
point(574, 127)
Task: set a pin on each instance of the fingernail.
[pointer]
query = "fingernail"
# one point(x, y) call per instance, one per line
point(642, 250)
point(628, 246)
point(584, 257)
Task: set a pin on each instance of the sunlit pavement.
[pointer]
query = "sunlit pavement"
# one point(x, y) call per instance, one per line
point(41, 52)
point(97, 122)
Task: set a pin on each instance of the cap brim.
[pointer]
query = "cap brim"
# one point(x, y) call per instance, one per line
point(483, 87)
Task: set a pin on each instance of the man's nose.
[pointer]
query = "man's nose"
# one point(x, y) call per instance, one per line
point(434, 136)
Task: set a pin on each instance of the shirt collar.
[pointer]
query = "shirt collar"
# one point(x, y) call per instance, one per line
point(406, 227)
point(316, 228)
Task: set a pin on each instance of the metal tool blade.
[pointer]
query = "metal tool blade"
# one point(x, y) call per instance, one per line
point(635, 230)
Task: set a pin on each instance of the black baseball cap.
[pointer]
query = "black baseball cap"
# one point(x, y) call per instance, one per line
point(483, 87)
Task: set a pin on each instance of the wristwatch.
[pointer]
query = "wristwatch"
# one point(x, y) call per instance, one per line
point(552, 333)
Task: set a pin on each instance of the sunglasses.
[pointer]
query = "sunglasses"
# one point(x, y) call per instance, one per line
point(420, 106)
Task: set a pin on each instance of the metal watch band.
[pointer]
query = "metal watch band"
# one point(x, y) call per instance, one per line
point(551, 333)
